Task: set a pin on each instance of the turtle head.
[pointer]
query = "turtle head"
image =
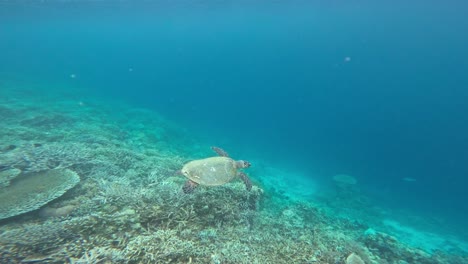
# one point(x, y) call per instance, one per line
point(243, 164)
point(182, 172)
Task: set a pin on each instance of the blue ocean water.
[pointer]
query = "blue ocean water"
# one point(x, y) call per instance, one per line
point(374, 89)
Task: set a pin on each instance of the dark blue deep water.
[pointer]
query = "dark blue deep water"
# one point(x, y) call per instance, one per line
point(374, 89)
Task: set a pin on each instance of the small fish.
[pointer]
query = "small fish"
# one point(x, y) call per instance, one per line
point(408, 179)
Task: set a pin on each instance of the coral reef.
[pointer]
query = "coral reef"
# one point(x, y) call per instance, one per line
point(128, 206)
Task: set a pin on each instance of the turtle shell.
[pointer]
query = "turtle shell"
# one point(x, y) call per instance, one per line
point(211, 171)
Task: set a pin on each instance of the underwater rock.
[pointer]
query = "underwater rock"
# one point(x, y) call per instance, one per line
point(346, 187)
point(344, 179)
point(31, 191)
point(63, 211)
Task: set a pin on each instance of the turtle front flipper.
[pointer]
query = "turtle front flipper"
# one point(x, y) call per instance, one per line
point(246, 180)
point(189, 186)
point(220, 152)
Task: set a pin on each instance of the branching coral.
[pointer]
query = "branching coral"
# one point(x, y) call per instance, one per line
point(162, 246)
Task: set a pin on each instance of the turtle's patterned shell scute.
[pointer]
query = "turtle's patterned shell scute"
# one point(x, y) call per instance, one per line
point(211, 171)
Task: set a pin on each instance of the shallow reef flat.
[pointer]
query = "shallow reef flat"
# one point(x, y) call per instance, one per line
point(128, 206)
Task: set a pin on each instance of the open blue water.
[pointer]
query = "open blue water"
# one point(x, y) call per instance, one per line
point(374, 89)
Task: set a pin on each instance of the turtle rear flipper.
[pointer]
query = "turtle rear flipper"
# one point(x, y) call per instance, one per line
point(220, 152)
point(189, 186)
point(246, 180)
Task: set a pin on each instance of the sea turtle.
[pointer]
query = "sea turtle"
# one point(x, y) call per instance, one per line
point(214, 171)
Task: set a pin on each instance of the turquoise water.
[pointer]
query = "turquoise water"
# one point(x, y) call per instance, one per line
point(305, 90)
